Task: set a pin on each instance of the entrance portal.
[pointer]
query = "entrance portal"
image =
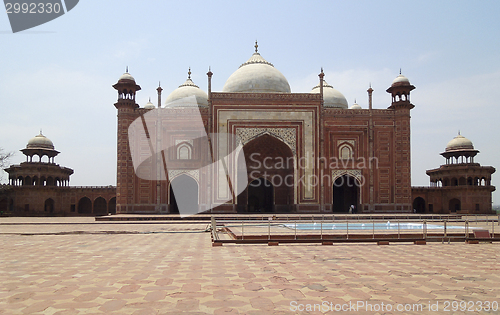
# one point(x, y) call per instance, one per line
point(345, 194)
point(454, 205)
point(260, 196)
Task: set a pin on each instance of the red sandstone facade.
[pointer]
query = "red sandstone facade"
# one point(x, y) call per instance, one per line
point(357, 157)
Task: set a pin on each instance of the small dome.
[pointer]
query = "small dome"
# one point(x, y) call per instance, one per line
point(400, 80)
point(355, 106)
point(459, 143)
point(331, 96)
point(126, 76)
point(257, 76)
point(186, 90)
point(40, 142)
point(149, 105)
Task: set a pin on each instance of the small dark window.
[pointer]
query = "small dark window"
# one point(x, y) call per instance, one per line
point(73, 208)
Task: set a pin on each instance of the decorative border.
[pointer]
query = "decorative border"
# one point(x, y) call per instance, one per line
point(287, 135)
point(354, 173)
point(175, 173)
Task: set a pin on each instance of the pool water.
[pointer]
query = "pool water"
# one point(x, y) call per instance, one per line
point(367, 226)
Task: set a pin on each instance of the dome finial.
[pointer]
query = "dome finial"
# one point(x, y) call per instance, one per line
point(354, 101)
point(42, 134)
point(399, 71)
point(189, 73)
point(459, 132)
point(126, 70)
point(256, 47)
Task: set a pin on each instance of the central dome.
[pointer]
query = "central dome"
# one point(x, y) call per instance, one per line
point(257, 76)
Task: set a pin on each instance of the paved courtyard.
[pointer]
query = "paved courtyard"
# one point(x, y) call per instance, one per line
point(79, 266)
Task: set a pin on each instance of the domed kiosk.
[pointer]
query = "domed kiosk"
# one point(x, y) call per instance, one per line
point(460, 185)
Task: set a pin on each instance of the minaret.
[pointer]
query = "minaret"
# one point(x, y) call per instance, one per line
point(400, 92)
point(126, 106)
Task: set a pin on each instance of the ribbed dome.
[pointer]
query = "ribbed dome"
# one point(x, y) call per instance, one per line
point(459, 143)
point(186, 90)
point(331, 96)
point(257, 76)
point(40, 142)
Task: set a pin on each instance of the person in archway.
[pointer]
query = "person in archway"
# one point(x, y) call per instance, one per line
point(351, 209)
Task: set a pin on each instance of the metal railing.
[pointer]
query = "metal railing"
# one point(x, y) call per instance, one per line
point(356, 229)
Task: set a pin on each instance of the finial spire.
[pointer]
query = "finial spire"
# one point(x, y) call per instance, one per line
point(150, 99)
point(399, 71)
point(458, 132)
point(42, 134)
point(126, 71)
point(321, 69)
point(354, 101)
point(189, 73)
point(256, 47)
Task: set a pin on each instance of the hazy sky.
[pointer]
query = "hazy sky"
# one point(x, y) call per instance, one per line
point(58, 76)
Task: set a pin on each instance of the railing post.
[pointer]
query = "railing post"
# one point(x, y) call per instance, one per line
point(269, 228)
point(242, 230)
point(466, 229)
point(425, 229)
point(399, 235)
point(373, 229)
point(295, 229)
point(321, 228)
point(347, 227)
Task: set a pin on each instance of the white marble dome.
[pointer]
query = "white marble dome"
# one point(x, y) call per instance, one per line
point(257, 76)
point(184, 91)
point(400, 80)
point(355, 106)
point(149, 105)
point(40, 142)
point(331, 96)
point(459, 143)
point(126, 76)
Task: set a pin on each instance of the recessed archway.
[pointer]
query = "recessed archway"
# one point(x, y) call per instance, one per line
point(454, 205)
point(345, 193)
point(183, 195)
point(49, 205)
point(419, 205)
point(260, 196)
point(84, 205)
point(269, 159)
point(100, 206)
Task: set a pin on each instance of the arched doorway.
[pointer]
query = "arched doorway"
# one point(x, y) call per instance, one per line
point(270, 167)
point(49, 205)
point(345, 194)
point(112, 206)
point(183, 195)
point(454, 205)
point(84, 205)
point(100, 206)
point(419, 205)
point(260, 196)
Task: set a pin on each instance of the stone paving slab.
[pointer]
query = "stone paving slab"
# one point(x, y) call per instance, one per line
point(181, 273)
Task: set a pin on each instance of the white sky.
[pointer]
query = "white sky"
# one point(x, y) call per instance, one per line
point(58, 76)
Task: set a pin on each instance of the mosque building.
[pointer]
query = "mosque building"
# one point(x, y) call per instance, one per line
point(303, 153)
